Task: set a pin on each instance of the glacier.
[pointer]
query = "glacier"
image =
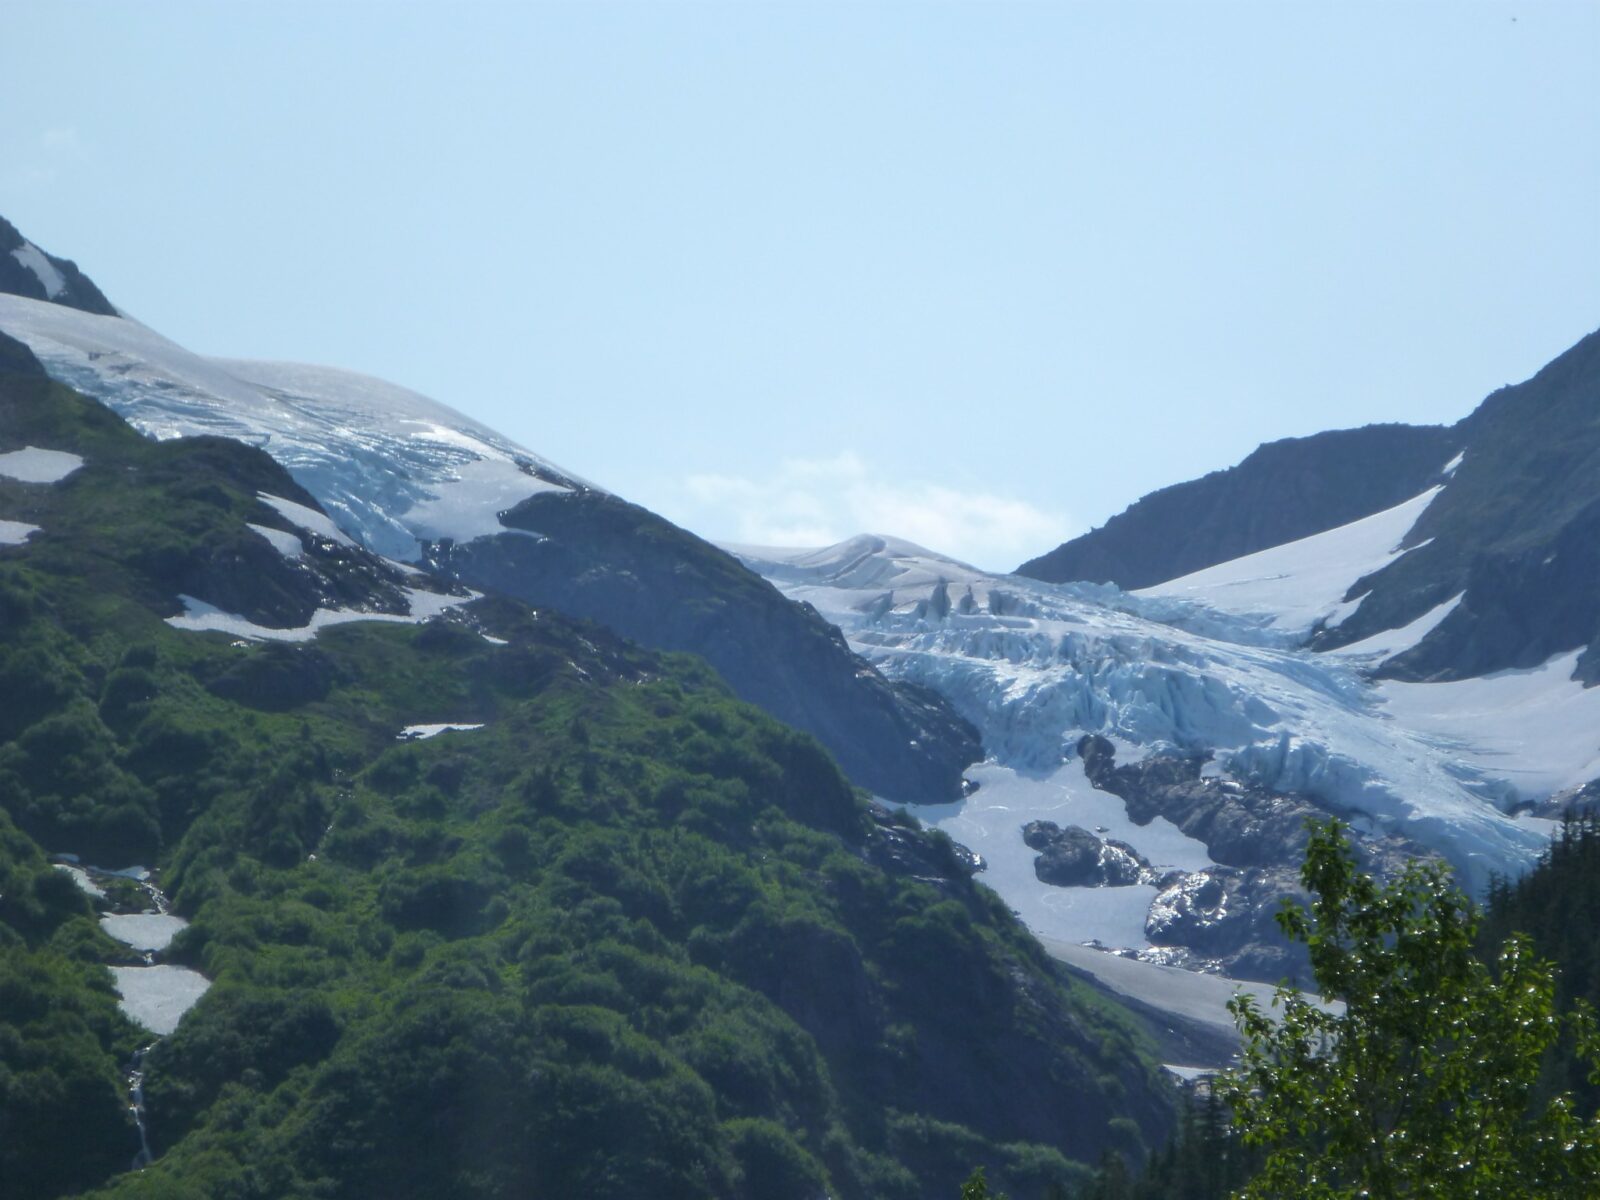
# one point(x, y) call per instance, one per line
point(1210, 665)
point(392, 467)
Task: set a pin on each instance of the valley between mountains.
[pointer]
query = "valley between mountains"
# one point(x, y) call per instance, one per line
point(368, 781)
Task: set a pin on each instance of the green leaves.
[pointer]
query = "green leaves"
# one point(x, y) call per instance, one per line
point(1421, 1078)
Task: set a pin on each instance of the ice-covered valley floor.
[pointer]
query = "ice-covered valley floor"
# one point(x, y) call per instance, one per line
point(1212, 663)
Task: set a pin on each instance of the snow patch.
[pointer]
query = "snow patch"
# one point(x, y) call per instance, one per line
point(285, 543)
point(468, 504)
point(14, 533)
point(144, 931)
point(33, 465)
point(200, 617)
point(157, 997)
point(1390, 642)
point(1300, 583)
point(308, 519)
point(35, 260)
point(79, 876)
point(1450, 467)
point(418, 733)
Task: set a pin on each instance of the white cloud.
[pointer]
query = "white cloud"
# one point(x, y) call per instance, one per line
point(819, 501)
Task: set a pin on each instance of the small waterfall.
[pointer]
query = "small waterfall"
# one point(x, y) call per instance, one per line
point(136, 1104)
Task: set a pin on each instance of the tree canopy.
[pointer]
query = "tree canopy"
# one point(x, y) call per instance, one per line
point(1423, 1080)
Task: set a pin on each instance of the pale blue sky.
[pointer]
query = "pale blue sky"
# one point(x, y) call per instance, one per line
point(976, 274)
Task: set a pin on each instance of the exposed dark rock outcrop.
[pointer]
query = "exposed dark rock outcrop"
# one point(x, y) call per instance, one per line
point(596, 556)
point(17, 359)
point(1257, 837)
point(1516, 535)
point(19, 276)
point(1074, 857)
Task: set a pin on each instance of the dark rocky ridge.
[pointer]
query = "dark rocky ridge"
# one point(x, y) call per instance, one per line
point(80, 291)
point(1074, 857)
point(1517, 531)
point(600, 557)
point(1227, 914)
point(1283, 491)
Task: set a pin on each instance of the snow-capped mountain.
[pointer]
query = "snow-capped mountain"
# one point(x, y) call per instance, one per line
point(419, 482)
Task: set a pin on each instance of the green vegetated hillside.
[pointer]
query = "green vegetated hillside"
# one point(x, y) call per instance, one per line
point(630, 938)
point(1557, 904)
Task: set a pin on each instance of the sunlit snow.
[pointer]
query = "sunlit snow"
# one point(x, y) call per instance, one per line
point(34, 259)
point(157, 997)
point(198, 616)
point(417, 733)
point(1297, 584)
point(1390, 642)
point(285, 543)
point(306, 517)
point(390, 466)
point(1035, 666)
point(81, 878)
point(144, 931)
point(33, 465)
point(1539, 729)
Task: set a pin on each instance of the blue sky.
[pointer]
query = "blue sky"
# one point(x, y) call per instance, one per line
point(975, 274)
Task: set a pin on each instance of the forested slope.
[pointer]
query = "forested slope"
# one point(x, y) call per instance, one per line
point(627, 937)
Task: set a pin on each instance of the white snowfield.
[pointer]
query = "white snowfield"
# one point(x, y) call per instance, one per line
point(200, 617)
point(419, 733)
point(34, 259)
point(1293, 586)
point(1035, 666)
point(392, 467)
point(144, 931)
point(157, 997)
point(33, 465)
point(14, 533)
point(285, 543)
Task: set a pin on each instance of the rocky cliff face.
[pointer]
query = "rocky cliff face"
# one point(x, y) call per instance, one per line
point(596, 556)
point(1225, 915)
point(1284, 491)
point(26, 270)
point(1516, 535)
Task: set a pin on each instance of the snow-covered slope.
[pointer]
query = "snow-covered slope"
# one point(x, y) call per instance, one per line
point(393, 467)
point(1035, 666)
point(1301, 584)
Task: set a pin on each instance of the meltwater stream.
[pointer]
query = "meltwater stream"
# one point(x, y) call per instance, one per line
point(155, 995)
